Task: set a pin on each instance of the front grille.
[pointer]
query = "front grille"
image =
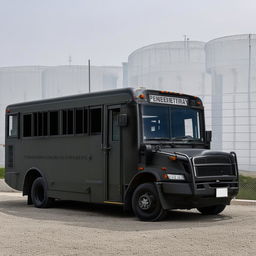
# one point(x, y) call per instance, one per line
point(212, 160)
point(212, 166)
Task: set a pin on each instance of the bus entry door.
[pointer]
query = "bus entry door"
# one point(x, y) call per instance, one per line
point(113, 182)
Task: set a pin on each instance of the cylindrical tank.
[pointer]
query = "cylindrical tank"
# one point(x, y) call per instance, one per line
point(231, 61)
point(173, 66)
point(67, 80)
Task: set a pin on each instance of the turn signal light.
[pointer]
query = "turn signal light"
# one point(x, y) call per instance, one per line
point(142, 96)
point(165, 176)
point(172, 158)
point(140, 168)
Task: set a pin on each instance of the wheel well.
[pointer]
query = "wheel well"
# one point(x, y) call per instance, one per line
point(139, 179)
point(29, 179)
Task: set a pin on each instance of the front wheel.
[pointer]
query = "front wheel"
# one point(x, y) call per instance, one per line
point(146, 204)
point(39, 195)
point(212, 210)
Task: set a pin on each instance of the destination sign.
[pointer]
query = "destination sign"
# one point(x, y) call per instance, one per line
point(168, 100)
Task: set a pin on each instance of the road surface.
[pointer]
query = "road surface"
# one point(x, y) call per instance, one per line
point(83, 229)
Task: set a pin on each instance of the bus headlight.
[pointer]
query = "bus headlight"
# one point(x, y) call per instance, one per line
point(176, 176)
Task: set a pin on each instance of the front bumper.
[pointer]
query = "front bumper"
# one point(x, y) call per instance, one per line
point(174, 195)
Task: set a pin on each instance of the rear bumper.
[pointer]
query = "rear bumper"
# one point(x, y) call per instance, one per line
point(184, 196)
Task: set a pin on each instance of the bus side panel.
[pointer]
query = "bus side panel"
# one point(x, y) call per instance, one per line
point(70, 164)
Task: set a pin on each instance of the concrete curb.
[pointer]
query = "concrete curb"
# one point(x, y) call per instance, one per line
point(5, 188)
point(243, 202)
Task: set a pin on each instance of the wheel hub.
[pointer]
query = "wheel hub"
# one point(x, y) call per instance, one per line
point(145, 202)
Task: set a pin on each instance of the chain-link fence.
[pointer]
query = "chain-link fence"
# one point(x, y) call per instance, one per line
point(247, 186)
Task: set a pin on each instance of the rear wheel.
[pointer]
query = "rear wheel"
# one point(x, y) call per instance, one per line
point(39, 195)
point(146, 204)
point(212, 210)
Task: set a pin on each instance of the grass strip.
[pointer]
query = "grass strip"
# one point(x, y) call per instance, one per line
point(1, 173)
point(247, 188)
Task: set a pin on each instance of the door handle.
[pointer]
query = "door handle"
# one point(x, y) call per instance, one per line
point(106, 148)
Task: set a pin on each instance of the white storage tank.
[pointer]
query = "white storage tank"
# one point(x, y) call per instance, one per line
point(173, 66)
point(231, 61)
point(67, 80)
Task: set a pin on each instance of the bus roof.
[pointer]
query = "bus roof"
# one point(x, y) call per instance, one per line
point(132, 93)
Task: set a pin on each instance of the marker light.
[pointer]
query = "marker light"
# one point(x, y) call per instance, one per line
point(140, 168)
point(163, 168)
point(173, 158)
point(176, 176)
point(165, 176)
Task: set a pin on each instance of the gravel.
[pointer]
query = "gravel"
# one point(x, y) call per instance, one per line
point(83, 229)
point(4, 187)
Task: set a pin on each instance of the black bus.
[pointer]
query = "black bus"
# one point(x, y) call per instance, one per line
point(146, 150)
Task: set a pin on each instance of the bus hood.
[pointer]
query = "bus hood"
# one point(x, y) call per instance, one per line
point(194, 152)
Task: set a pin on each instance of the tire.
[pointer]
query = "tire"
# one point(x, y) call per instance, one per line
point(212, 210)
point(39, 195)
point(146, 204)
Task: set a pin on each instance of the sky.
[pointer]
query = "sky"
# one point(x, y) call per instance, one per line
point(47, 32)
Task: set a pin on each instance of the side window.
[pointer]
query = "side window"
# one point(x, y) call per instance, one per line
point(67, 121)
point(27, 125)
point(115, 126)
point(54, 123)
point(13, 125)
point(95, 121)
point(40, 124)
point(81, 120)
point(64, 121)
point(79, 116)
point(70, 121)
point(35, 124)
point(45, 123)
point(85, 120)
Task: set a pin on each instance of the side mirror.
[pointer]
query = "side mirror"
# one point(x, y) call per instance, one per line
point(208, 136)
point(123, 120)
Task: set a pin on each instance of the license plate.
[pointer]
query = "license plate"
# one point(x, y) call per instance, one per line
point(221, 192)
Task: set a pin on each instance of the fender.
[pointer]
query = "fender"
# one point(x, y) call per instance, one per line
point(25, 190)
point(148, 175)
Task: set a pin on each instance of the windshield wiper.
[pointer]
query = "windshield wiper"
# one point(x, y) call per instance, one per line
point(184, 138)
point(160, 138)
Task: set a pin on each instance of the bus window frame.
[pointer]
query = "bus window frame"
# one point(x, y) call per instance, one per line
point(101, 107)
point(22, 125)
point(202, 125)
point(49, 123)
point(18, 125)
point(85, 109)
point(61, 123)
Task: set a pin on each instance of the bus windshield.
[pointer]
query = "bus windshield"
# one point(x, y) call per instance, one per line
point(170, 123)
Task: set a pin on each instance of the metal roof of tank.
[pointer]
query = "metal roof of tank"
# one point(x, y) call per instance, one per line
point(173, 44)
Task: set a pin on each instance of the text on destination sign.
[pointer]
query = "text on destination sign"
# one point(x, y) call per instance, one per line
point(168, 100)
